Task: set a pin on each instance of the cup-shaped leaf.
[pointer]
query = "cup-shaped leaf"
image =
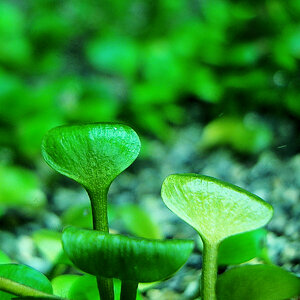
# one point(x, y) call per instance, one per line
point(125, 258)
point(91, 154)
point(216, 209)
point(257, 282)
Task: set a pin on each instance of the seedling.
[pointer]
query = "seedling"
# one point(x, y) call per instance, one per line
point(131, 260)
point(93, 155)
point(217, 210)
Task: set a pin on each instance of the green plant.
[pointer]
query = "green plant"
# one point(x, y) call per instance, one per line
point(94, 155)
point(217, 210)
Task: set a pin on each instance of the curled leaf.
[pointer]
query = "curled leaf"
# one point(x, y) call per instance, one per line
point(117, 256)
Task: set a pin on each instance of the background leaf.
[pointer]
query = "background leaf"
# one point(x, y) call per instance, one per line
point(257, 282)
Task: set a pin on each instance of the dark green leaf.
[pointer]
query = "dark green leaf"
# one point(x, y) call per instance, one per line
point(24, 275)
point(116, 256)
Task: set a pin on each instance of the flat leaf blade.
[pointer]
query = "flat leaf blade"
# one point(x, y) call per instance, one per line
point(116, 256)
point(91, 153)
point(216, 209)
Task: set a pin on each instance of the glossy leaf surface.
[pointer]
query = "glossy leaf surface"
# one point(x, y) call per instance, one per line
point(26, 276)
point(91, 154)
point(242, 247)
point(216, 209)
point(116, 256)
point(257, 282)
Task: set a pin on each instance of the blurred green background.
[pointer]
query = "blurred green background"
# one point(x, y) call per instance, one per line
point(231, 68)
point(142, 62)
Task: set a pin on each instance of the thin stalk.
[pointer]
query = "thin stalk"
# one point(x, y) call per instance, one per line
point(100, 222)
point(128, 290)
point(209, 271)
point(15, 288)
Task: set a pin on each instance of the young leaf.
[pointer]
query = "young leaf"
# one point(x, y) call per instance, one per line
point(116, 256)
point(242, 247)
point(91, 154)
point(24, 276)
point(257, 282)
point(216, 209)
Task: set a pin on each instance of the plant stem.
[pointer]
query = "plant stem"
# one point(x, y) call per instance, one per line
point(128, 290)
point(100, 222)
point(209, 271)
point(18, 289)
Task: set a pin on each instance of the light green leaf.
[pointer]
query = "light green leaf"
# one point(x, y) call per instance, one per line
point(242, 247)
point(63, 283)
point(85, 288)
point(24, 275)
point(49, 244)
point(257, 282)
point(91, 154)
point(138, 222)
point(116, 256)
point(243, 135)
point(20, 188)
point(4, 259)
point(216, 209)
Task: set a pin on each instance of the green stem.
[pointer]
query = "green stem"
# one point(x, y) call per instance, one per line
point(209, 271)
point(15, 288)
point(128, 290)
point(100, 222)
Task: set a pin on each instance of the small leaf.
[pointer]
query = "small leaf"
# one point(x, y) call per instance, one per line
point(63, 283)
point(4, 259)
point(242, 247)
point(49, 244)
point(25, 276)
point(117, 256)
point(247, 135)
point(20, 188)
point(138, 222)
point(216, 209)
point(91, 154)
point(257, 282)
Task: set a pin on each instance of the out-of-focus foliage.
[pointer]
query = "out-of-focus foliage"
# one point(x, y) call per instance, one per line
point(78, 61)
point(20, 189)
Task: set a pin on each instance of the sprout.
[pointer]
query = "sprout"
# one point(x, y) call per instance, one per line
point(217, 210)
point(93, 155)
